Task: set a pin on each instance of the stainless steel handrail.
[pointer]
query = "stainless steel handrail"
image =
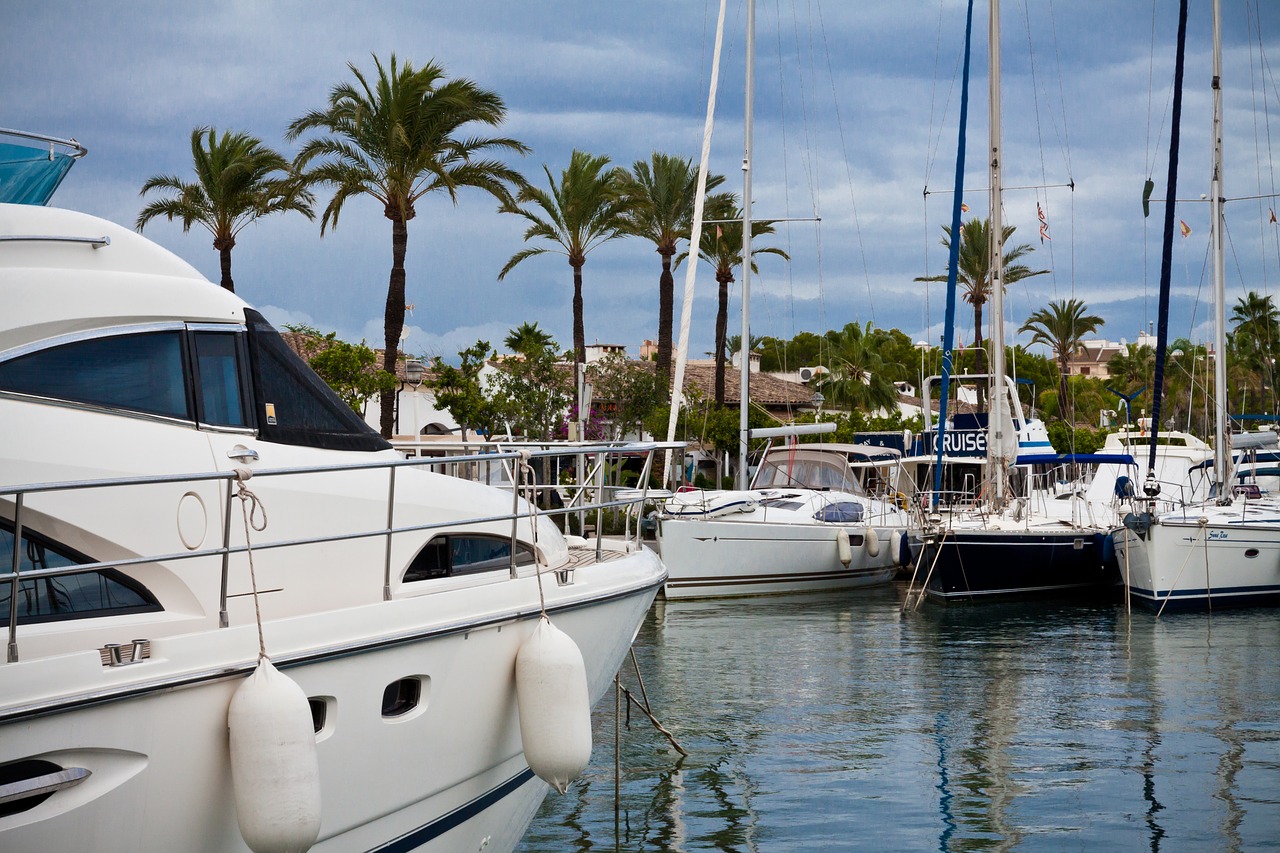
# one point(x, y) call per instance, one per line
point(622, 499)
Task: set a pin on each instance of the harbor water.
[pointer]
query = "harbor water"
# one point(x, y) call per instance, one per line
point(838, 722)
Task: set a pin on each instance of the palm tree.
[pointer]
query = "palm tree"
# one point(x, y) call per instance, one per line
point(1256, 339)
point(397, 139)
point(238, 180)
point(722, 248)
point(859, 375)
point(527, 337)
point(661, 196)
point(1061, 327)
point(582, 211)
point(975, 270)
point(1135, 366)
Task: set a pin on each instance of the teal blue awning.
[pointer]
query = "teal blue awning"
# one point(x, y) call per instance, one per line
point(29, 174)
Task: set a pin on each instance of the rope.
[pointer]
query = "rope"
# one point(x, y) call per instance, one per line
point(250, 507)
point(1204, 522)
point(529, 491)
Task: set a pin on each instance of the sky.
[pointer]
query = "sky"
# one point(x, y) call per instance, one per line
point(854, 139)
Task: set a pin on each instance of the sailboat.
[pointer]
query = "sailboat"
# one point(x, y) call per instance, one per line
point(1000, 548)
point(1224, 551)
point(803, 537)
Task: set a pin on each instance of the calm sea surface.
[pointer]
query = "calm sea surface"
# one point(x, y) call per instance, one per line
point(837, 722)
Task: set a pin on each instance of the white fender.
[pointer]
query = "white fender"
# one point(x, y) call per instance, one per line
point(843, 548)
point(555, 707)
point(275, 770)
point(872, 541)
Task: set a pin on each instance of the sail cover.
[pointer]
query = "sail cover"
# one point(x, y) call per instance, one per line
point(31, 175)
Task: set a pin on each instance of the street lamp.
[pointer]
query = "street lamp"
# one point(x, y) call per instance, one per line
point(413, 373)
point(817, 400)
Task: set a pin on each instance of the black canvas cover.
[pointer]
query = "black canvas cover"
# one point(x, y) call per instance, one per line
point(295, 406)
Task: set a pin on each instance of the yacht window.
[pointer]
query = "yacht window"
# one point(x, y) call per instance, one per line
point(138, 373)
point(218, 379)
point(105, 592)
point(454, 554)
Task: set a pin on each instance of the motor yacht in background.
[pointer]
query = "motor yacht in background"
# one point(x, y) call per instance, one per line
point(186, 508)
point(817, 517)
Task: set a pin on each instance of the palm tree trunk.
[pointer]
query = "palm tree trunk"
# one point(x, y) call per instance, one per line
point(979, 356)
point(722, 328)
point(1064, 392)
point(579, 338)
point(393, 319)
point(666, 308)
point(224, 248)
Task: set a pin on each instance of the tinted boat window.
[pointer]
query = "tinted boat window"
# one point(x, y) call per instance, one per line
point(139, 373)
point(458, 555)
point(294, 405)
point(220, 390)
point(105, 592)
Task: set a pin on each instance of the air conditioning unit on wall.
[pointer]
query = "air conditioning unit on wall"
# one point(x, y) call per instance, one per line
point(807, 373)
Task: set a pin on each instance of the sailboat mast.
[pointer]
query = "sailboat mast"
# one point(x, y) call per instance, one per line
point(997, 421)
point(1222, 435)
point(744, 343)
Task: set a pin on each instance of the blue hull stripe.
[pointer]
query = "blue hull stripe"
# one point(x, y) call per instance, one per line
point(429, 832)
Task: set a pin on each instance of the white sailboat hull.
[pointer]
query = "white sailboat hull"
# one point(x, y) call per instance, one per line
point(1230, 560)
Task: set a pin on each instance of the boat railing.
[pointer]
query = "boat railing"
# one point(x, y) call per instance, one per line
point(600, 498)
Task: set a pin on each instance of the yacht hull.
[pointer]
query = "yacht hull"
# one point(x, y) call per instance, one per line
point(448, 774)
point(721, 557)
point(969, 565)
point(1183, 565)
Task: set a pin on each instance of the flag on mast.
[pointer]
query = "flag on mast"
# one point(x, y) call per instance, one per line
point(1272, 212)
point(1186, 229)
point(1044, 224)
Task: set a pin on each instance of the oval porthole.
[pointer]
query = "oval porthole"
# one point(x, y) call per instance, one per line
point(401, 697)
point(1251, 553)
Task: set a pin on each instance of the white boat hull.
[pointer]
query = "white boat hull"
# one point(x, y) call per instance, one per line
point(154, 734)
point(723, 557)
point(1181, 564)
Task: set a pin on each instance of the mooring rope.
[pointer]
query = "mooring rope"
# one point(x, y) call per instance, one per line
point(250, 507)
point(527, 487)
point(1204, 525)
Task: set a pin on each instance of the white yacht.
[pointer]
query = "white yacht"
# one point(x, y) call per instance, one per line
point(816, 518)
point(141, 587)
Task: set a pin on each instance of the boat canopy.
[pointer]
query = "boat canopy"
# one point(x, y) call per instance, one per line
point(30, 174)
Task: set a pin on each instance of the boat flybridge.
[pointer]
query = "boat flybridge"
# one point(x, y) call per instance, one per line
point(235, 615)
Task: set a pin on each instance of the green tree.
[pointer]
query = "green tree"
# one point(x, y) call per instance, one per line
point(531, 394)
point(1061, 327)
point(351, 370)
point(627, 390)
point(459, 391)
point(660, 199)
point(527, 336)
point(858, 378)
point(584, 210)
point(804, 350)
point(974, 269)
point(399, 138)
point(721, 247)
point(1255, 345)
point(238, 181)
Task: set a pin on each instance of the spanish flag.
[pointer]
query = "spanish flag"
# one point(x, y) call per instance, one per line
point(1186, 229)
point(965, 208)
point(1273, 214)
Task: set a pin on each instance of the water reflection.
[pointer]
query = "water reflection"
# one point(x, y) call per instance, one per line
point(834, 723)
